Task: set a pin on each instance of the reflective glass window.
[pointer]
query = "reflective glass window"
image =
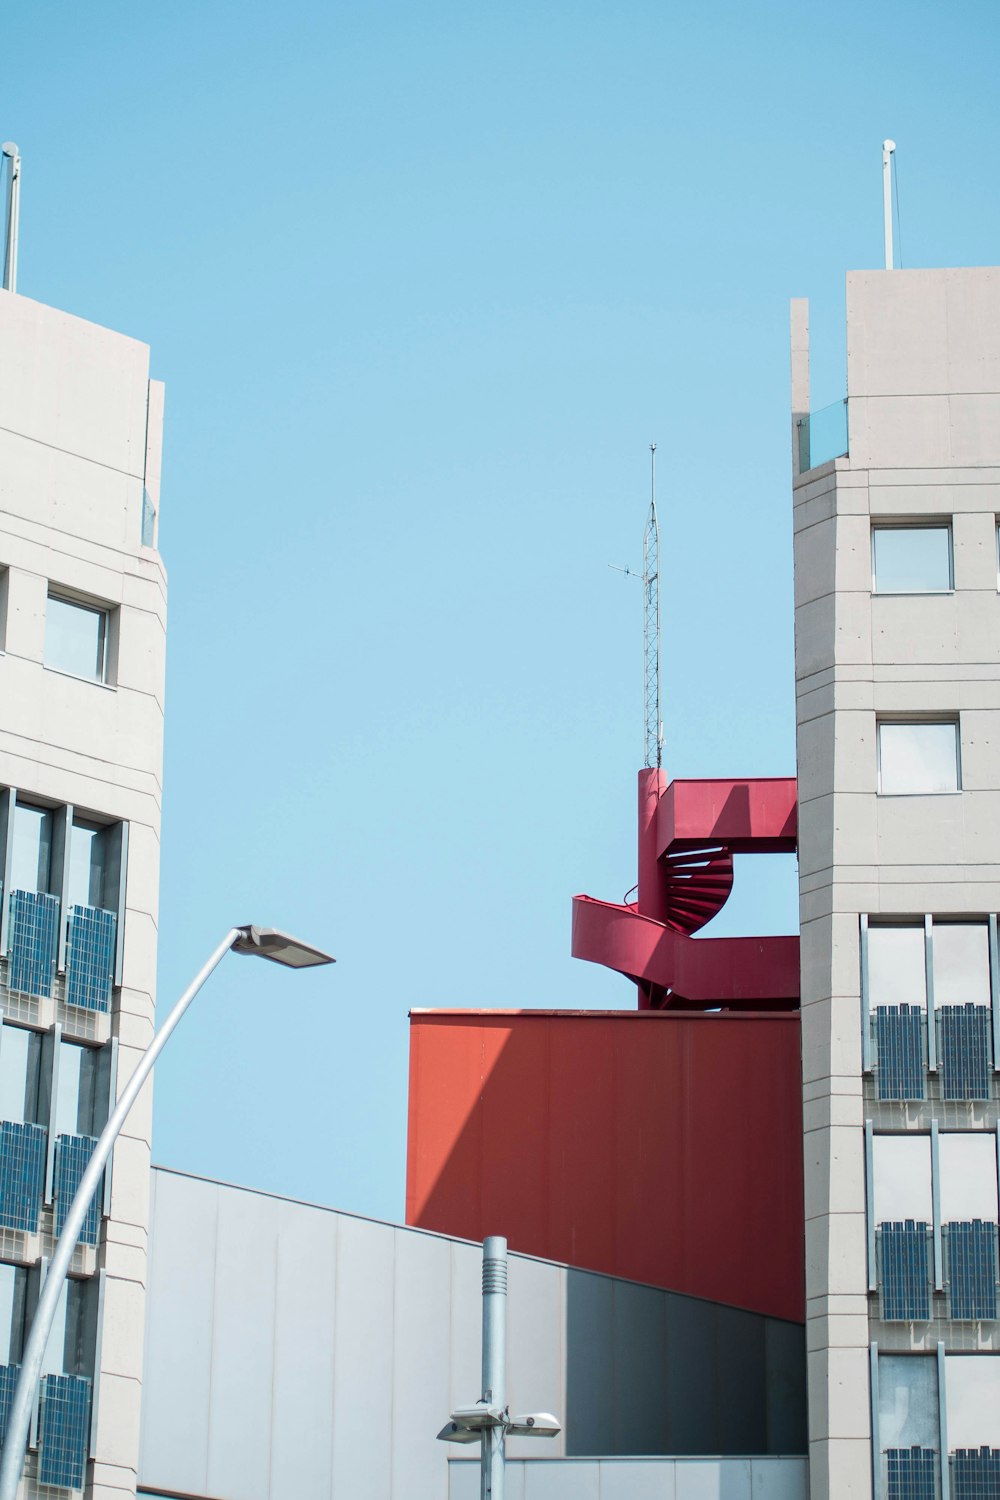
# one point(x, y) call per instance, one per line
point(86, 864)
point(75, 1089)
point(911, 559)
point(76, 638)
point(968, 1176)
point(20, 1060)
point(961, 963)
point(897, 973)
point(908, 1401)
point(13, 1281)
point(916, 758)
point(972, 1397)
point(32, 852)
point(902, 1173)
point(65, 1352)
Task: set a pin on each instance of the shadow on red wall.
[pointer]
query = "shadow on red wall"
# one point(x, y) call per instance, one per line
point(661, 1147)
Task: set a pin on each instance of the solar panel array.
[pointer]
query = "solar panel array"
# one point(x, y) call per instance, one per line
point(90, 957)
point(22, 1174)
point(910, 1474)
point(8, 1380)
point(63, 1421)
point(73, 1152)
point(971, 1250)
point(905, 1272)
point(965, 1051)
point(900, 1044)
point(34, 940)
point(975, 1474)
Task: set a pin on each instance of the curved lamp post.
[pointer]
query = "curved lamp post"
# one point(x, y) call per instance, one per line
point(265, 942)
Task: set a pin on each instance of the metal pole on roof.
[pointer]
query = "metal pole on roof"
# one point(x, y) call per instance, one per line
point(651, 625)
point(491, 1454)
point(10, 152)
point(888, 147)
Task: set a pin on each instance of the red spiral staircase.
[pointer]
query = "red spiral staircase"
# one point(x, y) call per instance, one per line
point(688, 833)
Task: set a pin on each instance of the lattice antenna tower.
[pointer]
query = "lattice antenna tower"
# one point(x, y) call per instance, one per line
point(651, 624)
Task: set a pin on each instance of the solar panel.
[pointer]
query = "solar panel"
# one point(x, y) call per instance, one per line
point(63, 1420)
point(22, 1175)
point(90, 957)
point(73, 1152)
point(975, 1474)
point(965, 1051)
point(8, 1380)
point(900, 1048)
point(34, 938)
point(904, 1277)
point(971, 1250)
point(910, 1474)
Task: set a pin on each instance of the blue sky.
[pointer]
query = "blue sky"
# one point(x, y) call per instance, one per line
point(424, 281)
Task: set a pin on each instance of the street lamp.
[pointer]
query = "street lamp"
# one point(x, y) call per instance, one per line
point(265, 942)
point(489, 1421)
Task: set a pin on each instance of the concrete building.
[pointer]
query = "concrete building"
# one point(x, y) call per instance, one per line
point(82, 622)
point(306, 1353)
point(293, 1351)
point(897, 653)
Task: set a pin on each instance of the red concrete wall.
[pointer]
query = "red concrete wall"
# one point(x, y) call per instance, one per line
point(658, 1146)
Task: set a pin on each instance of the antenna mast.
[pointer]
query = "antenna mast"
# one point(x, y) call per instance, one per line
point(651, 624)
point(9, 151)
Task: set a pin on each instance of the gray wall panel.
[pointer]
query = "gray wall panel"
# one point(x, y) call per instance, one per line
point(589, 1416)
point(639, 1329)
point(305, 1353)
point(364, 1412)
point(304, 1336)
point(239, 1447)
point(179, 1332)
point(420, 1363)
point(536, 1346)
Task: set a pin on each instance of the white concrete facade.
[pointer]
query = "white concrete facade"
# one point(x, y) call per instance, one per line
point(923, 410)
point(80, 440)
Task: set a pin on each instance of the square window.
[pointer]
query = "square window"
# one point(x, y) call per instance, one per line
point(76, 638)
point(911, 560)
point(918, 757)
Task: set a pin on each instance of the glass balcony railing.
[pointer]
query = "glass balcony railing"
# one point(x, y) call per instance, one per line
point(823, 436)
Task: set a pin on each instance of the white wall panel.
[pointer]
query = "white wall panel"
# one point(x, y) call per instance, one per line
point(302, 1352)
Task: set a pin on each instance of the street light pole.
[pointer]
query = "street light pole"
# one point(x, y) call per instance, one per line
point(491, 1452)
point(266, 943)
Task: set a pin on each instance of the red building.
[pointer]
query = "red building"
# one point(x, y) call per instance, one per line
point(664, 1145)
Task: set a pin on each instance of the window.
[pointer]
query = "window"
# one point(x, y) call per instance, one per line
point(902, 1170)
point(31, 858)
point(76, 1089)
point(13, 1285)
point(86, 863)
point(909, 1424)
point(76, 638)
point(961, 963)
point(972, 1401)
point(968, 1176)
point(897, 972)
point(917, 757)
point(911, 559)
point(903, 1222)
point(20, 1062)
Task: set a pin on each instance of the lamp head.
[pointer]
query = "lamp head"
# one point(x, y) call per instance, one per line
point(280, 948)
